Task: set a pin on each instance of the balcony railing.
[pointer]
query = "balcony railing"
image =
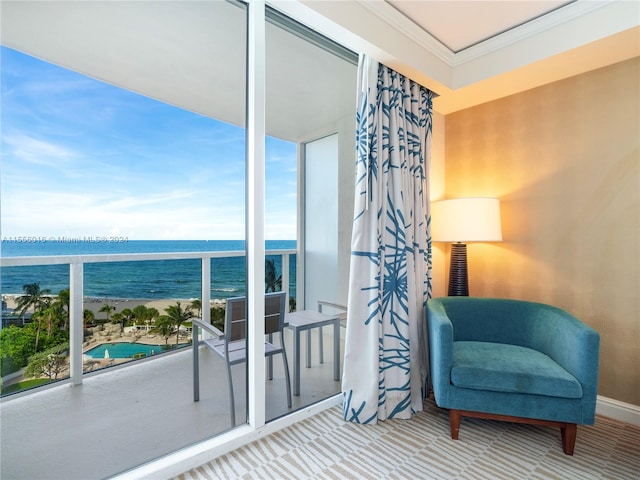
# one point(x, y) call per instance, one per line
point(77, 263)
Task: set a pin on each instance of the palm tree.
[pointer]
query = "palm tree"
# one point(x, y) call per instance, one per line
point(33, 297)
point(107, 309)
point(164, 326)
point(55, 315)
point(118, 318)
point(145, 315)
point(177, 315)
point(272, 281)
point(63, 302)
point(88, 316)
point(152, 314)
point(292, 304)
point(217, 317)
point(197, 306)
point(126, 315)
point(38, 316)
point(140, 313)
point(50, 314)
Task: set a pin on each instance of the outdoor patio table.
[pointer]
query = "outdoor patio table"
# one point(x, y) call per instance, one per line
point(306, 320)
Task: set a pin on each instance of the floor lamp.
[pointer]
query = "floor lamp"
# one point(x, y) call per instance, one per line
point(463, 220)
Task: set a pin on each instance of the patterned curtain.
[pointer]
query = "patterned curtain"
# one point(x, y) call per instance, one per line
point(386, 358)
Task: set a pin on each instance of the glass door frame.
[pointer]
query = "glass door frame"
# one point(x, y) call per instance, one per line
point(256, 427)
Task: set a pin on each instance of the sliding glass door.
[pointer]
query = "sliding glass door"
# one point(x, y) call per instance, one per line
point(310, 108)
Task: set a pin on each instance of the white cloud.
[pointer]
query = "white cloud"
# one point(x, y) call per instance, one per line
point(174, 215)
point(35, 151)
point(126, 203)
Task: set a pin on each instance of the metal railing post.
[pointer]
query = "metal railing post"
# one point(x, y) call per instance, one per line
point(76, 321)
point(206, 290)
point(285, 276)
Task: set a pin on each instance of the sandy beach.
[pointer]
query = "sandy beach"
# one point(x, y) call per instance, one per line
point(95, 304)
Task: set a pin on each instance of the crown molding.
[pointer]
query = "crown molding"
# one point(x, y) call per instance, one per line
point(529, 29)
point(415, 33)
point(395, 19)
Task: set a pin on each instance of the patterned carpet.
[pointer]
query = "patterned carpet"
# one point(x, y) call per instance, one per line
point(326, 447)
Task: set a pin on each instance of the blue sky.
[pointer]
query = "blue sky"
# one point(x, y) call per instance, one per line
point(84, 158)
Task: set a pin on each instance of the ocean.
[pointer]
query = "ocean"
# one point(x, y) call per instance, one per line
point(159, 279)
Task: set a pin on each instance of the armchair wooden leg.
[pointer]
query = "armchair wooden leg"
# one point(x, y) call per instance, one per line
point(454, 421)
point(569, 432)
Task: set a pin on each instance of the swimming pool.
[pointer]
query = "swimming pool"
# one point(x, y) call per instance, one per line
point(126, 350)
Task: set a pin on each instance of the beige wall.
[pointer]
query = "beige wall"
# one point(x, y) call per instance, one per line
point(436, 192)
point(564, 160)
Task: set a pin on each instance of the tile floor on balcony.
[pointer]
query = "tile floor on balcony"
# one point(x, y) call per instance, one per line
point(125, 417)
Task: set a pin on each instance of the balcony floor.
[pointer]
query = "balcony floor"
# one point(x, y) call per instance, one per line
point(121, 418)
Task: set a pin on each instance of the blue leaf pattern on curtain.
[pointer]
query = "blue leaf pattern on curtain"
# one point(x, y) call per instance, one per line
point(385, 369)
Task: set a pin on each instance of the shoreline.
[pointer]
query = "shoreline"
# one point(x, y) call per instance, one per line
point(96, 303)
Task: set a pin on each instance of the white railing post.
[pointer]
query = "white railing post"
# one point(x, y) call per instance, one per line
point(76, 321)
point(285, 276)
point(300, 276)
point(206, 290)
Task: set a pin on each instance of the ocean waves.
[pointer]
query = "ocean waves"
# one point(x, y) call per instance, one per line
point(154, 279)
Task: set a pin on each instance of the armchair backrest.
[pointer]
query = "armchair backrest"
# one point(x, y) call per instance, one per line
point(513, 322)
point(236, 315)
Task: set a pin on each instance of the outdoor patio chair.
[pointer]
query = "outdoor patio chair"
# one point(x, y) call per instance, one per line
point(231, 344)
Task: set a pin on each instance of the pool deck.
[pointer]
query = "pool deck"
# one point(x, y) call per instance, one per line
point(144, 340)
point(94, 363)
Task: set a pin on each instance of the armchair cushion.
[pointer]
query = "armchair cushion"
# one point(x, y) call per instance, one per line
point(500, 367)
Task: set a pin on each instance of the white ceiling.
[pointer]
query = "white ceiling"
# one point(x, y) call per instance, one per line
point(460, 24)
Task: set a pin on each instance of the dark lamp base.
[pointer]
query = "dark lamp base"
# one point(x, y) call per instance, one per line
point(458, 280)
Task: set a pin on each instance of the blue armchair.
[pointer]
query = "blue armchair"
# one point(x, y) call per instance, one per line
point(514, 361)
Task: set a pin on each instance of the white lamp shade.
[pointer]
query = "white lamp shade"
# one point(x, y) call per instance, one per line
point(466, 220)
